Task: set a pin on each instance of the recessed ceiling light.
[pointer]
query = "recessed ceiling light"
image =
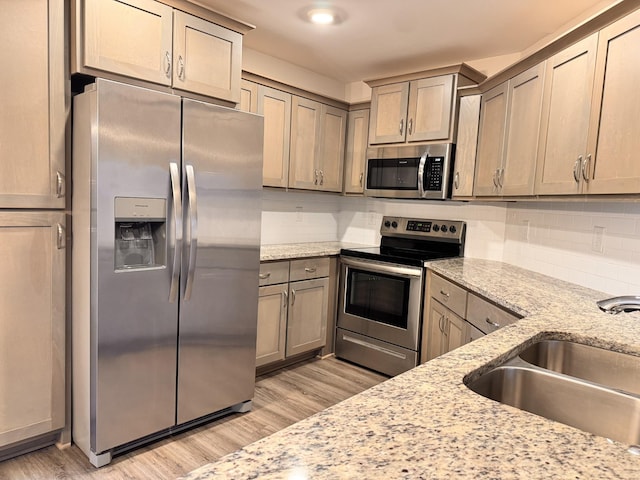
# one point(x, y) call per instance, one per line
point(321, 16)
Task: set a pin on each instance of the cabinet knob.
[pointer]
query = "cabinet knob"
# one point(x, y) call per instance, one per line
point(444, 294)
point(456, 180)
point(310, 269)
point(264, 276)
point(492, 323)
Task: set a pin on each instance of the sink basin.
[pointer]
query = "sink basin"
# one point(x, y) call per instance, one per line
point(590, 388)
point(606, 367)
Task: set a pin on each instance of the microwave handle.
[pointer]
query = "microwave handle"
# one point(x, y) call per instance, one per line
point(421, 165)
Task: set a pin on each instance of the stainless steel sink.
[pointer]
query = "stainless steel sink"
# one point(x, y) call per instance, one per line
point(556, 380)
point(606, 367)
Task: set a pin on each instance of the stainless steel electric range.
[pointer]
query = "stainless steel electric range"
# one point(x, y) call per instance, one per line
point(381, 291)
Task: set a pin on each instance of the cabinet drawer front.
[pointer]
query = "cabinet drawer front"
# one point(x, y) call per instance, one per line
point(274, 272)
point(309, 268)
point(486, 316)
point(449, 294)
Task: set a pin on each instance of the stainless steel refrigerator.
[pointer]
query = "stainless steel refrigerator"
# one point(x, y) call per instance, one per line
point(166, 251)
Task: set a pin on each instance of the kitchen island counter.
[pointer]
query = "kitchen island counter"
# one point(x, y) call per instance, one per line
point(425, 423)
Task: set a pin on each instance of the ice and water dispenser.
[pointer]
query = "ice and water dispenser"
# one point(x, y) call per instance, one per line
point(140, 233)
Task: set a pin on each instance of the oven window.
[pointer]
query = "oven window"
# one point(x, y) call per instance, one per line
point(377, 296)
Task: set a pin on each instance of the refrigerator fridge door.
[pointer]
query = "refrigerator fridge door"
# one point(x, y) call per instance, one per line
point(136, 137)
point(222, 191)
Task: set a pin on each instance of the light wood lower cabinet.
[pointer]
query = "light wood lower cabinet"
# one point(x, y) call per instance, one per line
point(32, 324)
point(447, 331)
point(293, 308)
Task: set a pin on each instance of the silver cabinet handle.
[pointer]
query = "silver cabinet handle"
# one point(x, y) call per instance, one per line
point(585, 168)
point(315, 182)
point(361, 177)
point(443, 293)
point(576, 167)
point(293, 297)
point(285, 299)
point(167, 64)
point(59, 184)
point(192, 229)
point(495, 178)
point(310, 269)
point(492, 323)
point(441, 323)
point(456, 180)
point(401, 126)
point(264, 276)
point(60, 237)
point(500, 177)
point(445, 330)
point(180, 67)
point(321, 177)
point(177, 230)
point(410, 126)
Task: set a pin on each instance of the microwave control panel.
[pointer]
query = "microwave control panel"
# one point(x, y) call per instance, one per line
point(433, 173)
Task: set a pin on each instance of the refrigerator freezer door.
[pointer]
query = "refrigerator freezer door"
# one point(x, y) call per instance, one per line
point(136, 135)
point(222, 190)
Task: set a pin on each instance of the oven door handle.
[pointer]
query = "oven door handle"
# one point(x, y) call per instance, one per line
point(421, 165)
point(391, 269)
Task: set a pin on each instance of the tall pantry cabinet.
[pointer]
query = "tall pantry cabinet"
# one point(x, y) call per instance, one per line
point(32, 224)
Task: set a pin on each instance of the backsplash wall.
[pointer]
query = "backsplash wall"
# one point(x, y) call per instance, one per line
point(596, 245)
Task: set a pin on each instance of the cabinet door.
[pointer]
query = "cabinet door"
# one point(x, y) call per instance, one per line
point(430, 102)
point(493, 115)
point(275, 105)
point(305, 133)
point(34, 103)
point(207, 58)
point(128, 37)
point(466, 146)
point(456, 332)
point(522, 132)
point(32, 324)
point(437, 341)
point(565, 118)
point(614, 141)
point(307, 323)
point(272, 324)
point(248, 96)
point(333, 130)
point(389, 113)
point(356, 151)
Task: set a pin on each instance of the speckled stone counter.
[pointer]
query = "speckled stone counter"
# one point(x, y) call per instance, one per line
point(427, 424)
point(303, 250)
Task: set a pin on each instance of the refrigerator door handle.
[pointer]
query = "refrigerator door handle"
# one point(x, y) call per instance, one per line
point(177, 230)
point(192, 229)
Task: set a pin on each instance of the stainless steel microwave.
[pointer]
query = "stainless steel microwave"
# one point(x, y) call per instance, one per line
point(423, 172)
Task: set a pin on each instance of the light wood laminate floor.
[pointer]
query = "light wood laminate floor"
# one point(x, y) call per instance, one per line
point(281, 399)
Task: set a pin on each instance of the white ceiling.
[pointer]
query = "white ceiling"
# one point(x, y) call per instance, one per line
point(379, 38)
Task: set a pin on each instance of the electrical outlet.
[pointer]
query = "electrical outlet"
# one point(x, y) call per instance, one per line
point(298, 214)
point(597, 242)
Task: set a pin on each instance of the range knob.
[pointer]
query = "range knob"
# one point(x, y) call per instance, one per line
point(443, 228)
point(436, 228)
point(387, 224)
point(394, 224)
point(452, 229)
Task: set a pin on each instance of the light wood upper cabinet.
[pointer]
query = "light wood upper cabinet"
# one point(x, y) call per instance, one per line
point(414, 111)
point(32, 324)
point(612, 164)
point(248, 96)
point(493, 119)
point(275, 105)
point(466, 146)
point(356, 151)
point(565, 118)
point(32, 132)
point(508, 136)
point(207, 58)
point(317, 145)
point(149, 41)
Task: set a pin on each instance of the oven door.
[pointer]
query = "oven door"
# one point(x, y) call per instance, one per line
point(381, 300)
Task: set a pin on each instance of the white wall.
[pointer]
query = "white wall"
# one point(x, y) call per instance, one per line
point(561, 242)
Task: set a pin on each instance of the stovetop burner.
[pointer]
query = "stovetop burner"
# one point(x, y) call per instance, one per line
point(411, 241)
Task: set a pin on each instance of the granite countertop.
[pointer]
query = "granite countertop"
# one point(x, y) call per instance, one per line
point(303, 250)
point(425, 423)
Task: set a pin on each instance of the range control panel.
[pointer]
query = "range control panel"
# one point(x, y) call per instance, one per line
point(415, 227)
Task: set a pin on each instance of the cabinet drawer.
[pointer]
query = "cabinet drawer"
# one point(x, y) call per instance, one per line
point(306, 268)
point(449, 294)
point(486, 316)
point(274, 272)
